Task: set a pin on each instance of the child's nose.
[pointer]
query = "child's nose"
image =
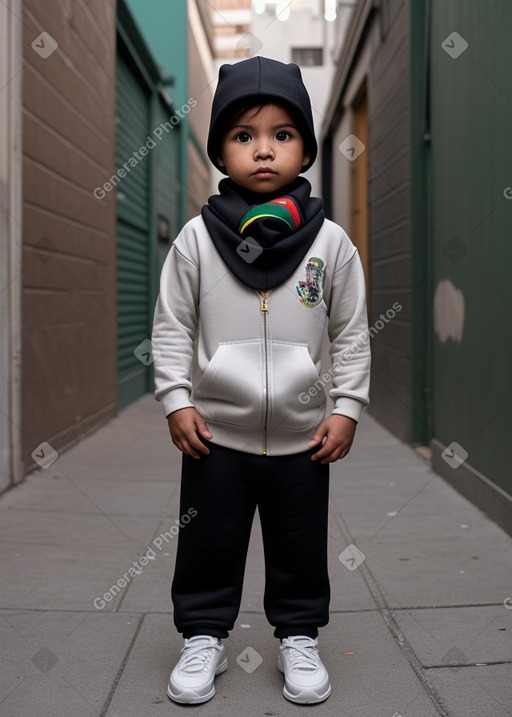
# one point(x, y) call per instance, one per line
point(264, 149)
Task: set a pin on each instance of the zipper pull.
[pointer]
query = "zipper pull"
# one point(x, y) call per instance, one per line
point(264, 299)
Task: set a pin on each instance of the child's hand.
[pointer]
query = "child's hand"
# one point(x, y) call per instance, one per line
point(183, 425)
point(336, 434)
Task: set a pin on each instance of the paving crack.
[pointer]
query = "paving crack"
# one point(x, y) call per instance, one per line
point(120, 671)
point(387, 615)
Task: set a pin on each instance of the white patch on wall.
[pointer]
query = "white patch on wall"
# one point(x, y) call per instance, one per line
point(449, 309)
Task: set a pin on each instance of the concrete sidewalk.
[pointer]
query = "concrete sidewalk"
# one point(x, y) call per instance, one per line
point(421, 627)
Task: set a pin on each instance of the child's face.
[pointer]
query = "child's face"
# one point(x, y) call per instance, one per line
point(264, 150)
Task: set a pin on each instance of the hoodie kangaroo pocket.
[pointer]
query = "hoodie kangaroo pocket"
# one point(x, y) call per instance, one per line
point(293, 374)
point(231, 390)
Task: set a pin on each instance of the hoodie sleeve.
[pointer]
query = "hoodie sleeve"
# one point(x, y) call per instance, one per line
point(349, 339)
point(175, 327)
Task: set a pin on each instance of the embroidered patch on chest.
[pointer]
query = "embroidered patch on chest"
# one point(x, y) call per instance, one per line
point(311, 291)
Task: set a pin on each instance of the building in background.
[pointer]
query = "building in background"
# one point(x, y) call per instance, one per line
point(299, 31)
point(202, 80)
point(304, 32)
point(231, 21)
point(180, 35)
point(11, 222)
point(68, 283)
point(416, 167)
point(104, 123)
point(175, 106)
point(103, 157)
point(149, 194)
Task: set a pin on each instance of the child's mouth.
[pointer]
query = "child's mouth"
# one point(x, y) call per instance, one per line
point(264, 172)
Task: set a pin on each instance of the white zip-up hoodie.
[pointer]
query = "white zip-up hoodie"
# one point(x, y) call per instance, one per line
point(249, 362)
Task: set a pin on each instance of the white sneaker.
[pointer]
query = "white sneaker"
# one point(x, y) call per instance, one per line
point(306, 680)
point(202, 658)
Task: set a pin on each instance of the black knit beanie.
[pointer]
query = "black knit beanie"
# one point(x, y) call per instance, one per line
point(260, 79)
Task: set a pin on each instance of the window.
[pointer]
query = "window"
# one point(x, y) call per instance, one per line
point(308, 56)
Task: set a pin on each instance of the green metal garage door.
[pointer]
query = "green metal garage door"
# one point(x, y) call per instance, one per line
point(133, 248)
point(471, 220)
point(148, 161)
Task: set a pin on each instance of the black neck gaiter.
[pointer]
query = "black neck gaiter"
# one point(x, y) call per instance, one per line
point(262, 238)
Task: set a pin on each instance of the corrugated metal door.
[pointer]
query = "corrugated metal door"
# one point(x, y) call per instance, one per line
point(133, 251)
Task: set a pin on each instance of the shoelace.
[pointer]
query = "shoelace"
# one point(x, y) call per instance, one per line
point(302, 657)
point(196, 657)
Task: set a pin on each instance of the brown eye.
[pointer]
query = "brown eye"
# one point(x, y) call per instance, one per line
point(243, 137)
point(282, 135)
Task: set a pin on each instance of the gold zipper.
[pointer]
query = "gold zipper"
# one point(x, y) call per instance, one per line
point(263, 299)
point(264, 308)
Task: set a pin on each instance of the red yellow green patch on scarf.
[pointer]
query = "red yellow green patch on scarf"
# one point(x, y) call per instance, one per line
point(283, 209)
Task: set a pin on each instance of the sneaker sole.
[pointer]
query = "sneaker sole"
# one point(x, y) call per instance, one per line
point(192, 698)
point(305, 697)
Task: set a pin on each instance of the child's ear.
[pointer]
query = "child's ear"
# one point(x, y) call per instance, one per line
point(220, 161)
point(306, 158)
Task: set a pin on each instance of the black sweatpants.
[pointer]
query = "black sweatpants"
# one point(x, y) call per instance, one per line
point(292, 495)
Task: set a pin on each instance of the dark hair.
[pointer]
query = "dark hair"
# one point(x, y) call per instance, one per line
point(240, 108)
point(244, 107)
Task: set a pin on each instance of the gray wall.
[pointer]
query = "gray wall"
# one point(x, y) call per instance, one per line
point(390, 226)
